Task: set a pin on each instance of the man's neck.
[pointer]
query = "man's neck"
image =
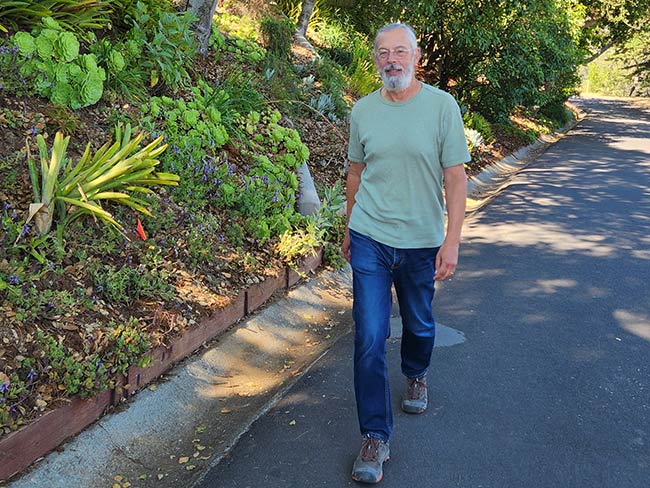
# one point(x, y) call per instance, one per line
point(402, 95)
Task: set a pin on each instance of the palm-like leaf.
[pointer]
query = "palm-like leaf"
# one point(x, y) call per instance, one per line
point(115, 170)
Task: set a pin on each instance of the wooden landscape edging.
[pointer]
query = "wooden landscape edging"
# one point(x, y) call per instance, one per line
point(19, 449)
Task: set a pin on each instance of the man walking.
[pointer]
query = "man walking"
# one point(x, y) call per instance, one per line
point(407, 143)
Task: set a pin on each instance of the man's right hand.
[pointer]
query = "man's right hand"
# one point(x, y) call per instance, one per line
point(345, 246)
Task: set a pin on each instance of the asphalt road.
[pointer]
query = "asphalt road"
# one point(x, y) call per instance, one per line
point(551, 387)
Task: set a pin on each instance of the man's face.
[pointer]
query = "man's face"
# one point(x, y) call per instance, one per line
point(395, 59)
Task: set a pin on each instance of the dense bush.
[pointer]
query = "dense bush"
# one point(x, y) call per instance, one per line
point(277, 36)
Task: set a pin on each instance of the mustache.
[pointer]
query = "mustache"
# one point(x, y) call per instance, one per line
point(392, 66)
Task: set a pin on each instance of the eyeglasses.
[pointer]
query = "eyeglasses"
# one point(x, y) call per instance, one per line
point(400, 53)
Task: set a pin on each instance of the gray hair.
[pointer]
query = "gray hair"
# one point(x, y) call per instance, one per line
point(398, 25)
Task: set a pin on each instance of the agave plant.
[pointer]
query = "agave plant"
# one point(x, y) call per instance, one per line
point(111, 174)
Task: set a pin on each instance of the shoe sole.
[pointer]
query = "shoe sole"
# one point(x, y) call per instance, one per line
point(370, 481)
point(413, 410)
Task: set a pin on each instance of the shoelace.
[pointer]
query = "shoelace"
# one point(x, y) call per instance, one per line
point(370, 449)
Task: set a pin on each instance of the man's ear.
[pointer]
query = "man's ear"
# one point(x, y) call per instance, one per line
point(418, 55)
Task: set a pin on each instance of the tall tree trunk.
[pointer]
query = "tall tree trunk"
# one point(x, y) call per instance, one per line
point(305, 15)
point(204, 10)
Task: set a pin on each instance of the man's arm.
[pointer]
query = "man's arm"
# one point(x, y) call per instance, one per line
point(351, 188)
point(455, 182)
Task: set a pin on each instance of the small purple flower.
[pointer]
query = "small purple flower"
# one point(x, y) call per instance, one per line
point(25, 230)
point(33, 130)
point(13, 279)
point(49, 306)
point(265, 180)
point(2, 399)
point(32, 374)
point(1, 86)
point(7, 206)
point(201, 228)
point(221, 238)
point(275, 197)
point(14, 214)
point(4, 387)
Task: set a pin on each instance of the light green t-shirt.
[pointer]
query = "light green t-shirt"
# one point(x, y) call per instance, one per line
point(405, 147)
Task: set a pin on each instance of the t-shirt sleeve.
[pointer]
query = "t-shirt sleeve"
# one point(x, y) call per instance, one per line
point(356, 153)
point(454, 145)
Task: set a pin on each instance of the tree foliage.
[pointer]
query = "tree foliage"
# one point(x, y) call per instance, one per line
point(491, 54)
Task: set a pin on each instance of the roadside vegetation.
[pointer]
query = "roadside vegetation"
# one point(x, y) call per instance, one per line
point(143, 185)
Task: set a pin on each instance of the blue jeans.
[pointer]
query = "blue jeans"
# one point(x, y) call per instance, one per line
point(375, 268)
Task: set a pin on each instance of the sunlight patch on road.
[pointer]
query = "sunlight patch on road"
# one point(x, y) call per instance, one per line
point(640, 144)
point(541, 234)
point(634, 323)
point(550, 287)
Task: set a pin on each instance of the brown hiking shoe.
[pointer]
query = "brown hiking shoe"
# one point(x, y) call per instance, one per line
point(368, 466)
point(415, 400)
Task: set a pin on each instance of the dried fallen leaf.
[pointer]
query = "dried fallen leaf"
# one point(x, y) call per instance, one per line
point(183, 460)
point(160, 476)
point(226, 410)
point(118, 478)
point(293, 422)
point(200, 447)
point(190, 467)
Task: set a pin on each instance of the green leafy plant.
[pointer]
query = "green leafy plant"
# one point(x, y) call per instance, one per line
point(475, 121)
point(132, 282)
point(295, 245)
point(109, 175)
point(277, 35)
point(58, 72)
point(167, 45)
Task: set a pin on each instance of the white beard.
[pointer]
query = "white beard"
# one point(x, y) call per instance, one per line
point(398, 82)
